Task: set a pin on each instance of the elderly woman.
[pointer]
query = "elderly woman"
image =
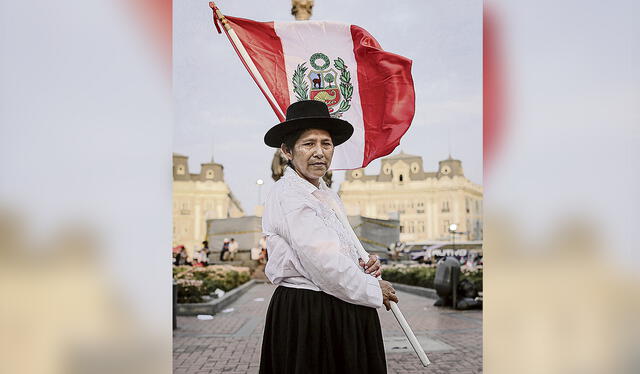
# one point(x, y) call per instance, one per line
point(322, 317)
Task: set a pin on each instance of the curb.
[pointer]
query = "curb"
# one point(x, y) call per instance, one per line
point(419, 291)
point(216, 305)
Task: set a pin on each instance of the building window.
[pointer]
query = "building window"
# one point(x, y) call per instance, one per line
point(401, 178)
point(209, 174)
point(184, 208)
point(445, 226)
point(466, 204)
point(180, 170)
point(445, 206)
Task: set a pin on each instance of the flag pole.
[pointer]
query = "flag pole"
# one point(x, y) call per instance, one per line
point(408, 332)
point(245, 58)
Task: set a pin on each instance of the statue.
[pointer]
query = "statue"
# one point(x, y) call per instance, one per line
point(301, 9)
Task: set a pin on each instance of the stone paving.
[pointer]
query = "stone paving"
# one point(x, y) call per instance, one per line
point(230, 342)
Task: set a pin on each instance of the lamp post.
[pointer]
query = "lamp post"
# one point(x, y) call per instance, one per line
point(452, 229)
point(259, 182)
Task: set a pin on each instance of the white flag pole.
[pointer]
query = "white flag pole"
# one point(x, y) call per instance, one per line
point(409, 333)
point(394, 307)
point(246, 59)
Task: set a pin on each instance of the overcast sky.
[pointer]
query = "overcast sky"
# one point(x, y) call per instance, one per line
point(221, 113)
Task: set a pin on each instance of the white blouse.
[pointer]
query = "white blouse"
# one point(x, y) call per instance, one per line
point(308, 245)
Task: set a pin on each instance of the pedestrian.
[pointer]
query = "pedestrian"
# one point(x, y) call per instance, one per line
point(233, 249)
point(322, 317)
point(181, 257)
point(225, 249)
point(199, 257)
point(205, 253)
point(264, 257)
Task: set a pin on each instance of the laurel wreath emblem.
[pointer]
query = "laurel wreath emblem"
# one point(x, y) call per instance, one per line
point(346, 88)
point(319, 56)
point(301, 86)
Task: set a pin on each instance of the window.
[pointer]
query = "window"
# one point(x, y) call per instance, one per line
point(184, 208)
point(445, 226)
point(466, 204)
point(401, 177)
point(209, 174)
point(445, 206)
point(180, 170)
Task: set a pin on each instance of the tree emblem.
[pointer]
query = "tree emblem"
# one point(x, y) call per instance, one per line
point(320, 86)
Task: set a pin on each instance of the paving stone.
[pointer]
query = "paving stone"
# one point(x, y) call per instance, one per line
point(230, 342)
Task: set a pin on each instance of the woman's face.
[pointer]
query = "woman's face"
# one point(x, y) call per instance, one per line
point(311, 155)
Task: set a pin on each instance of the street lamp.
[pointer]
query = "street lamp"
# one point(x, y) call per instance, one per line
point(452, 229)
point(259, 182)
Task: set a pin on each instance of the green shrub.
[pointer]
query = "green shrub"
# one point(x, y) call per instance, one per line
point(475, 277)
point(424, 275)
point(195, 282)
point(189, 291)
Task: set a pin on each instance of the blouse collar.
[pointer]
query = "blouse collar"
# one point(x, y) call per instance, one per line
point(292, 176)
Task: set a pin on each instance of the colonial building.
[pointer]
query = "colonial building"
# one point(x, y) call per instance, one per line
point(426, 203)
point(198, 197)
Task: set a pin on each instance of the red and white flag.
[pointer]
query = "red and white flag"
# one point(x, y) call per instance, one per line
point(339, 64)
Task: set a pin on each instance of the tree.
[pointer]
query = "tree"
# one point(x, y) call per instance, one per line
point(329, 78)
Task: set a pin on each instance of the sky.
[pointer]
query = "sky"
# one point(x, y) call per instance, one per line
point(220, 113)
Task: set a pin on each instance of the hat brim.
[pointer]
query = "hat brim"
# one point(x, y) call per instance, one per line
point(340, 130)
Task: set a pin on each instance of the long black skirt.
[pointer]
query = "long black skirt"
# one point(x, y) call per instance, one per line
point(313, 332)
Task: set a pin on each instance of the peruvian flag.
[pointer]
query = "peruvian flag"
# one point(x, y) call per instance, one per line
point(339, 64)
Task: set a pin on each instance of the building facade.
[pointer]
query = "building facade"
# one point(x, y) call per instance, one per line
point(198, 197)
point(425, 203)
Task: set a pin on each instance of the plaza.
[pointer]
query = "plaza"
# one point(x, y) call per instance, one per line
point(230, 342)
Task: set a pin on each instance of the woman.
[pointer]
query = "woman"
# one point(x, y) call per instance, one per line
point(225, 248)
point(322, 318)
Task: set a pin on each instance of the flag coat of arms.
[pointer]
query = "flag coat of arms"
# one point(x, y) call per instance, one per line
point(339, 64)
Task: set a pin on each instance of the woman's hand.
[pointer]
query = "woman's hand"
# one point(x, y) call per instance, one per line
point(388, 293)
point(372, 267)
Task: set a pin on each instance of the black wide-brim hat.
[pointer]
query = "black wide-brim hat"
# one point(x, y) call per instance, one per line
point(309, 114)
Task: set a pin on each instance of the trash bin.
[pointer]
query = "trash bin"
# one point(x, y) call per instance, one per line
point(446, 282)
